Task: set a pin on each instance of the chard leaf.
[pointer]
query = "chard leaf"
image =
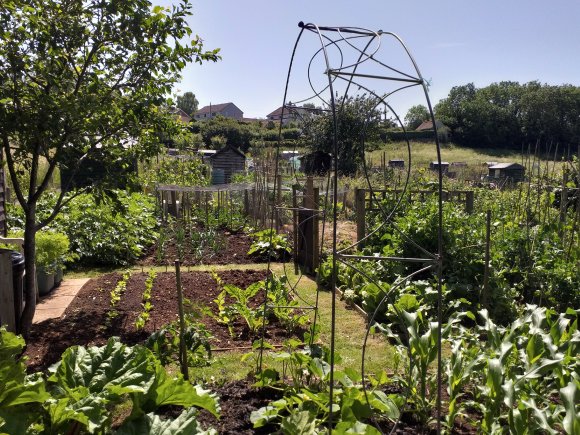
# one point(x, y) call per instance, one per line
point(345, 427)
point(152, 424)
point(177, 391)
point(299, 423)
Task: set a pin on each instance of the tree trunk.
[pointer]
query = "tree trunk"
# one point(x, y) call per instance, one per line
point(30, 275)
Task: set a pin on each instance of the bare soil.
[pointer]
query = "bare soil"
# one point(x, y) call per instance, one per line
point(226, 247)
point(86, 320)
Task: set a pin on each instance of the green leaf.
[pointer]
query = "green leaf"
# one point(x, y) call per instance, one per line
point(152, 424)
point(345, 427)
point(570, 398)
point(297, 423)
point(173, 391)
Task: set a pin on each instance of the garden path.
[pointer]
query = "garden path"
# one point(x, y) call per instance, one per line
point(53, 305)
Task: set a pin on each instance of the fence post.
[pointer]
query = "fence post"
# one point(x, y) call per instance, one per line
point(359, 206)
point(295, 225)
point(469, 196)
point(182, 351)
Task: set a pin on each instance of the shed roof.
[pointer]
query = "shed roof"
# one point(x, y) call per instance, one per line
point(507, 165)
point(226, 148)
point(428, 125)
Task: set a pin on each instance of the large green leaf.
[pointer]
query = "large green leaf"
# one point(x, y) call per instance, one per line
point(570, 398)
point(345, 427)
point(152, 424)
point(111, 370)
point(298, 423)
point(173, 391)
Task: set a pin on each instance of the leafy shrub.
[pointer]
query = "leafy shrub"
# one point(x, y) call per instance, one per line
point(269, 244)
point(113, 232)
point(52, 250)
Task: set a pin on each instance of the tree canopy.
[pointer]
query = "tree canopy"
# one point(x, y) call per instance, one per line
point(510, 114)
point(79, 80)
point(416, 115)
point(188, 103)
point(358, 121)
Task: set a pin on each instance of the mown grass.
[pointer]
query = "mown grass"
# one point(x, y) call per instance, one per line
point(424, 152)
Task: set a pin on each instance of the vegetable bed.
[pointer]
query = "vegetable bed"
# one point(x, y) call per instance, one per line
point(112, 304)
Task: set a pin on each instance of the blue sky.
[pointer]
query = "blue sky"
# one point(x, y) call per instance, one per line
point(453, 41)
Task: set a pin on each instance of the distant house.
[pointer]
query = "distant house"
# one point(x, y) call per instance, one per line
point(512, 171)
point(396, 163)
point(288, 113)
point(442, 130)
point(225, 163)
point(227, 110)
point(180, 115)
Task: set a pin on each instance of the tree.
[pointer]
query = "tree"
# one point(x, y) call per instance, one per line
point(358, 121)
point(188, 103)
point(83, 79)
point(231, 130)
point(416, 115)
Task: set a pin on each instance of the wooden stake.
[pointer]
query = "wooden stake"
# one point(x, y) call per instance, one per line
point(182, 352)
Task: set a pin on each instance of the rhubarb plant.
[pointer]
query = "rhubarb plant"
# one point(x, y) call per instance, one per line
point(83, 387)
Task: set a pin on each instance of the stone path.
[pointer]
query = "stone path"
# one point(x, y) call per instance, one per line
point(53, 305)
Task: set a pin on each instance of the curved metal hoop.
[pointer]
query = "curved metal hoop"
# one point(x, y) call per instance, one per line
point(353, 76)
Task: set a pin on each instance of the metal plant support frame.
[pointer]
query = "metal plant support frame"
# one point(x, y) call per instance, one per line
point(350, 75)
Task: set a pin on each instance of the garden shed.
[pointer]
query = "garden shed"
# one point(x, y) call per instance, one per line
point(226, 161)
point(316, 163)
point(396, 163)
point(434, 166)
point(512, 171)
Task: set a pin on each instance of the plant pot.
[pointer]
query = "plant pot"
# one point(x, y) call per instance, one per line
point(58, 276)
point(45, 281)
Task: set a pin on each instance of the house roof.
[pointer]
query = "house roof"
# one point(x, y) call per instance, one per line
point(180, 114)
point(289, 110)
point(213, 108)
point(226, 148)
point(428, 125)
point(507, 165)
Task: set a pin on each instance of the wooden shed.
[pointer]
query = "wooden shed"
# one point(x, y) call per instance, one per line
point(228, 161)
point(396, 163)
point(434, 166)
point(512, 171)
point(316, 163)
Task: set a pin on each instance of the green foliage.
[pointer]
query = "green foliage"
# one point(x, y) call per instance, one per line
point(509, 114)
point(228, 312)
point(184, 170)
point(52, 250)
point(115, 231)
point(188, 103)
point(269, 244)
point(416, 115)
point(164, 343)
point(116, 293)
point(357, 118)
point(236, 134)
point(304, 407)
point(146, 305)
point(524, 376)
point(85, 384)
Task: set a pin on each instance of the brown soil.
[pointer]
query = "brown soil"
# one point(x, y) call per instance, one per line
point(86, 320)
point(226, 247)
